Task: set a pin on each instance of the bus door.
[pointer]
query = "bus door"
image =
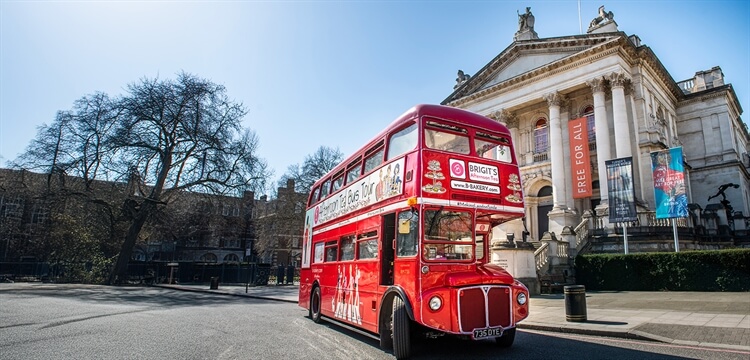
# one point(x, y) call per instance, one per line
point(386, 244)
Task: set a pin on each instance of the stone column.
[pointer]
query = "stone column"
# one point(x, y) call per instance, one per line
point(623, 148)
point(556, 151)
point(511, 121)
point(602, 137)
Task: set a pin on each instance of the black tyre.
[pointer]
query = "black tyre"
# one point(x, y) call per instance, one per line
point(400, 328)
point(315, 304)
point(506, 340)
point(386, 332)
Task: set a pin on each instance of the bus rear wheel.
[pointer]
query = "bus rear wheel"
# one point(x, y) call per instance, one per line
point(386, 333)
point(315, 302)
point(400, 328)
point(506, 340)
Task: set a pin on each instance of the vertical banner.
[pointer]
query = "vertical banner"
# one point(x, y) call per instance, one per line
point(579, 158)
point(670, 193)
point(621, 190)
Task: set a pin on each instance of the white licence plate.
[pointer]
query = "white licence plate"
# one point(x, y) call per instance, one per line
point(486, 333)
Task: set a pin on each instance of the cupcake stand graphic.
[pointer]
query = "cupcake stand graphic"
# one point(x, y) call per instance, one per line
point(514, 184)
point(434, 173)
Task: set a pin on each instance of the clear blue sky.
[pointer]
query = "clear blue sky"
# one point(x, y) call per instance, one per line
point(317, 73)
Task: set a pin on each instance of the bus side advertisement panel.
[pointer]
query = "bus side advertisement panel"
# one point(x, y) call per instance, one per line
point(379, 185)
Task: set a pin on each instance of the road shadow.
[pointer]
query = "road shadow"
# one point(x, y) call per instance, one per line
point(527, 346)
point(128, 295)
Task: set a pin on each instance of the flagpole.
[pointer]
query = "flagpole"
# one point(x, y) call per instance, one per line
point(580, 27)
point(625, 237)
point(674, 231)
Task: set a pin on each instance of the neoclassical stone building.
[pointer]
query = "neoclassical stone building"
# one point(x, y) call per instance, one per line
point(632, 107)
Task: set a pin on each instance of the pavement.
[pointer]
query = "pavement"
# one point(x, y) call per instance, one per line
point(711, 319)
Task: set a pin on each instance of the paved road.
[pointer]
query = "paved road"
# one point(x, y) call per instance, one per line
point(95, 322)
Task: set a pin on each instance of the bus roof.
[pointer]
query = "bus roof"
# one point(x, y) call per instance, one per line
point(459, 116)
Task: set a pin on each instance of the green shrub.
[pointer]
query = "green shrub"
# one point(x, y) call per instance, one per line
point(714, 270)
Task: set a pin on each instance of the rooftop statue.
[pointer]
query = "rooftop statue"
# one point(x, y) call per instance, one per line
point(722, 188)
point(603, 16)
point(526, 20)
point(461, 78)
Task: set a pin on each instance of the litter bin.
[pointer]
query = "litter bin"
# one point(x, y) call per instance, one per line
point(262, 274)
point(214, 283)
point(575, 303)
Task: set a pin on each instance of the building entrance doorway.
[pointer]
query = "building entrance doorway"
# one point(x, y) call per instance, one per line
point(543, 223)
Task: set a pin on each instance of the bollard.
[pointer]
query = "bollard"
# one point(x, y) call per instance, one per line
point(575, 303)
point(214, 283)
point(280, 275)
point(290, 274)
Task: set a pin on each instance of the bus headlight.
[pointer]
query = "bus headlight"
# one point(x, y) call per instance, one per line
point(521, 298)
point(435, 303)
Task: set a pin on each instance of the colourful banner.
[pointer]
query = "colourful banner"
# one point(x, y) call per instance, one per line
point(621, 190)
point(670, 194)
point(579, 158)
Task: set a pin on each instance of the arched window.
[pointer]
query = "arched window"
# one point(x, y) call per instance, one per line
point(541, 136)
point(588, 112)
point(209, 257)
point(544, 191)
point(231, 258)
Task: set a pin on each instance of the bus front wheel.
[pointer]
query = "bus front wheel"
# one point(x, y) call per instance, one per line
point(400, 329)
point(315, 303)
point(506, 340)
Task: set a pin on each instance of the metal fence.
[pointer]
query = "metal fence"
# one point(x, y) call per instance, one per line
point(154, 272)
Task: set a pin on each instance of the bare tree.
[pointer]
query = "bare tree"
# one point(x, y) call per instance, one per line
point(280, 221)
point(162, 137)
point(315, 165)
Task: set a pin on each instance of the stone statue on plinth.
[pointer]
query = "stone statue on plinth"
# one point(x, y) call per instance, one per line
point(525, 26)
point(604, 16)
point(461, 78)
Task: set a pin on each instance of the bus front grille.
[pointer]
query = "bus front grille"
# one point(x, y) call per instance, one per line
point(483, 307)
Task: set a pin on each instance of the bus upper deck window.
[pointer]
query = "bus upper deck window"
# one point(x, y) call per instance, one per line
point(372, 161)
point(402, 141)
point(314, 197)
point(353, 173)
point(492, 147)
point(324, 189)
point(446, 138)
point(338, 183)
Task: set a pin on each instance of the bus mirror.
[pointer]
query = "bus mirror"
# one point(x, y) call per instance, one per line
point(404, 226)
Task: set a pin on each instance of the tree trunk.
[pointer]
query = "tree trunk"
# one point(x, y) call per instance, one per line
point(119, 272)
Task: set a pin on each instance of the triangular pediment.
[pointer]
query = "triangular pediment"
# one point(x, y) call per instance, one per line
point(523, 58)
point(525, 63)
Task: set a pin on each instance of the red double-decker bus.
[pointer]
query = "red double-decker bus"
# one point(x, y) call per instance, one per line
point(396, 239)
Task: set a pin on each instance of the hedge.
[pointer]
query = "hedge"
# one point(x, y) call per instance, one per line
point(714, 270)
